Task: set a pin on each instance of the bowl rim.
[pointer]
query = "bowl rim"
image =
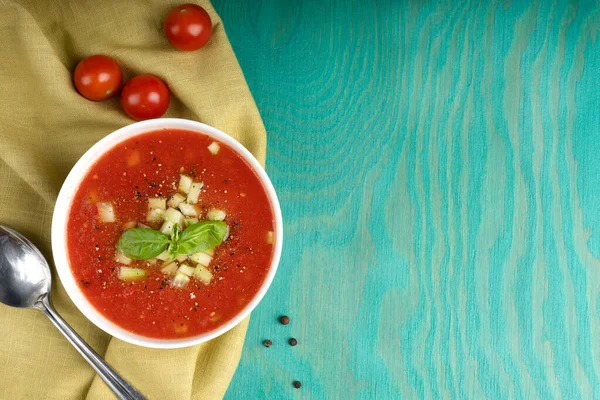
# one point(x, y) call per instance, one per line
point(63, 206)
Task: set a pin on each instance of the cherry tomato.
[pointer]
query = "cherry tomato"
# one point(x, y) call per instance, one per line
point(145, 97)
point(188, 27)
point(98, 77)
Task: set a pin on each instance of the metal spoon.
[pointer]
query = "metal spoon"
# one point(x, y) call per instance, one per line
point(25, 283)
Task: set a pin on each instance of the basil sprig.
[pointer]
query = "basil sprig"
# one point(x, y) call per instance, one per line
point(201, 236)
point(174, 241)
point(142, 243)
point(146, 243)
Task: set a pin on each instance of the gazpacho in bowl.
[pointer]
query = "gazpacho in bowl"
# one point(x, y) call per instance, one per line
point(167, 233)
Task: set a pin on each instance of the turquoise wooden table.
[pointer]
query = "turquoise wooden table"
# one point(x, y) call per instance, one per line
point(438, 166)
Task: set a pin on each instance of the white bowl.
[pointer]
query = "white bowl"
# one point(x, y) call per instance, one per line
point(61, 214)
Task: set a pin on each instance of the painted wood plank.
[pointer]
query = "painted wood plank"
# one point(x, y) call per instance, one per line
point(437, 165)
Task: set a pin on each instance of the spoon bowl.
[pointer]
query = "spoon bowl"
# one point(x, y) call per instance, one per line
point(25, 282)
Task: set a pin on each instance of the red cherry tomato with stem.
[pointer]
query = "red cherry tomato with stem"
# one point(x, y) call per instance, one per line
point(188, 27)
point(98, 77)
point(145, 97)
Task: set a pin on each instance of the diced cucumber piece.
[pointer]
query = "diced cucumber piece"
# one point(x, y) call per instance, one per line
point(175, 200)
point(129, 225)
point(181, 258)
point(151, 261)
point(164, 256)
point(167, 228)
point(122, 258)
point(157, 202)
point(180, 280)
point(155, 215)
point(131, 274)
point(210, 252)
point(214, 148)
point(190, 221)
point(170, 268)
point(214, 214)
point(201, 258)
point(194, 193)
point(106, 212)
point(186, 269)
point(269, 237)
point(185, 182)
point(188, 210)
point(202, 274)
point(174, 216)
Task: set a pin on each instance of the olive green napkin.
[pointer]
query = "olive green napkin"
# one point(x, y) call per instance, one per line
point(45, 126)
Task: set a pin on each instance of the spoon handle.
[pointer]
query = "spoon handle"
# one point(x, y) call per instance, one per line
point(122, 389)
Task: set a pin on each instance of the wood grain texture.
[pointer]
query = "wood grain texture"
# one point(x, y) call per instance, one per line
point(438, 169)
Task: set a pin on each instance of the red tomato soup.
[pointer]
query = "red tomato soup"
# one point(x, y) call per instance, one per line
point(150, 166)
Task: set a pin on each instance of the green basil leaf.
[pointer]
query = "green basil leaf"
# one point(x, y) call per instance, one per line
point(142, 243)
point(174, 241)
point(201, 236)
